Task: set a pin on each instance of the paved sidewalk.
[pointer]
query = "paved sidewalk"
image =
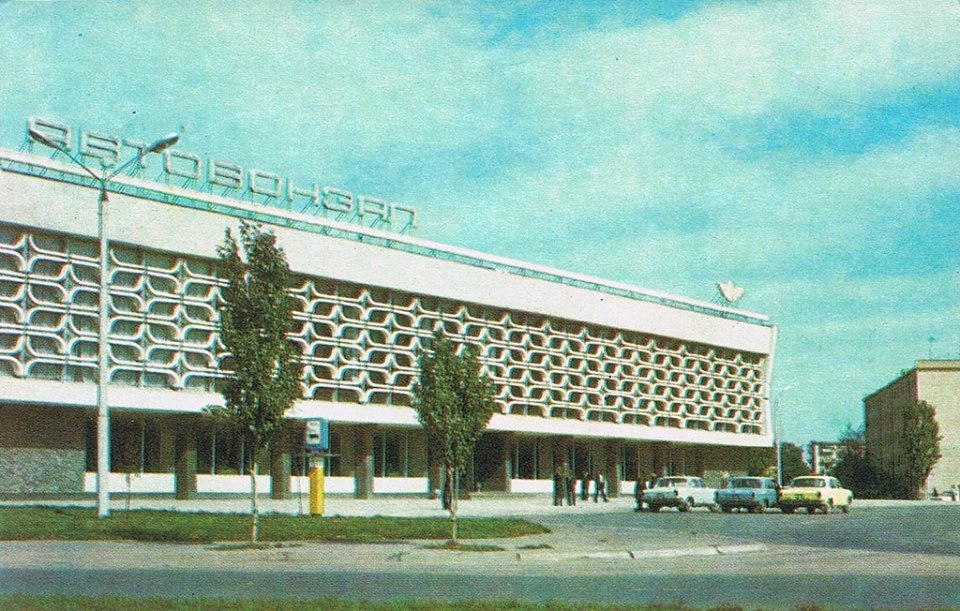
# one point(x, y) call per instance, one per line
point(570, 540)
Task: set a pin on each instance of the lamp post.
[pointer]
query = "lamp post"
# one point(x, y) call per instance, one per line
point(777, 433)
point(103, 346)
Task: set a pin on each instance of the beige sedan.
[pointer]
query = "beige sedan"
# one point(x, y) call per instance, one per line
point(814, 492)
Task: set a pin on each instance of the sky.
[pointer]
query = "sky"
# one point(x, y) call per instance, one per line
point(807, 151)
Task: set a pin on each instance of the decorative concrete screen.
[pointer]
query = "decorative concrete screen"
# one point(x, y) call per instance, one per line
point(359, 343)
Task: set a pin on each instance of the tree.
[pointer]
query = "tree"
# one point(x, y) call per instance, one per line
point(454, 403)
point(761, 461)
point(853, 467)
point(919, 445)
point(256, 313)
point(791, 457)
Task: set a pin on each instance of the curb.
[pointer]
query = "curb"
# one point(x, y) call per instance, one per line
point(712, 550)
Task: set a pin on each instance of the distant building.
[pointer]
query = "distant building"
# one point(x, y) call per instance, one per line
point(823, 456)
point(938, 383)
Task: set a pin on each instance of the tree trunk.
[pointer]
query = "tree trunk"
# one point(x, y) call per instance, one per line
point(255, 510)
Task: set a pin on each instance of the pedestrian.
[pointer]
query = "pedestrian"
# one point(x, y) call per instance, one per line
point(599, 488)
point(955, 492)
point(638, 489)
point(570, 484)
point(558, 486)
point(585, 486)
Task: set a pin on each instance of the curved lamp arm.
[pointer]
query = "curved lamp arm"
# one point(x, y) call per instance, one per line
point(160, 145)
point(35, 135)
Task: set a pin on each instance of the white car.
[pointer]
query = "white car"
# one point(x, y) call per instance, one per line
point(681, 492)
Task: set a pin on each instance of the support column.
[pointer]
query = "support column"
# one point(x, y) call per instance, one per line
point(186, 461)
point(508, 452)
point(280, 465)
point(363, 468)
point(612, 468)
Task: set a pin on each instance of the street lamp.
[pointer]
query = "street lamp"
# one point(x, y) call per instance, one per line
point(777, 433)
point(103, 346)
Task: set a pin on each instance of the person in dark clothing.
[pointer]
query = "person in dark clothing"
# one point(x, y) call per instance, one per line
point(559, 490)
point(638, 489)
point(585, 487)
point(599, 488)
point(571, 486)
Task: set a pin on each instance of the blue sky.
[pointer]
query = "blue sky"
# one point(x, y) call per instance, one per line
point(809, 151)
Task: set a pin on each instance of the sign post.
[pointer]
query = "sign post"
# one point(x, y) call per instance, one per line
point(317, 444)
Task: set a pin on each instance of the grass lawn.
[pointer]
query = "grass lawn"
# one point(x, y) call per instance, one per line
point(104, 604)
point(78, 524)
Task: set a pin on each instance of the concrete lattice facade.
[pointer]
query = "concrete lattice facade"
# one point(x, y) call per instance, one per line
point(938, 383)
point(359, 344)
point(625, 377)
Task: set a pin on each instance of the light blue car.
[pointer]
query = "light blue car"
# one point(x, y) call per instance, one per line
point(755, 494)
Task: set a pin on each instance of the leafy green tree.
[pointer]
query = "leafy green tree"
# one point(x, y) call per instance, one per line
point(920, 446)
point(454, 403)
point(256, 312)
point(761, 461)
point(792, 462)
point(853, 467)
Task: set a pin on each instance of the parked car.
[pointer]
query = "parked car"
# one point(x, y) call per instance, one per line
point(681, 492)
point(815, 492)
point(754, 494)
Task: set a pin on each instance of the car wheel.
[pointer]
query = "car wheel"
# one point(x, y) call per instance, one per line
point(811, 509)
point(726, 509)
point(758, 508)
point(846, 508)
point(655, 508)
point(684, 506)
point(787, 509)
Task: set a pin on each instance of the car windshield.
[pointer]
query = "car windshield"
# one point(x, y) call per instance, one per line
point(744, 482)
point(808, 482)
point(671, 482)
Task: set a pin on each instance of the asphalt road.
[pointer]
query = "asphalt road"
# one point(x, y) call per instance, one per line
point(901, 556)
point(903, 528)
point(752, 591)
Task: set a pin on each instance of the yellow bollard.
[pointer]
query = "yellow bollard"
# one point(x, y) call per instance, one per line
point(316, 489)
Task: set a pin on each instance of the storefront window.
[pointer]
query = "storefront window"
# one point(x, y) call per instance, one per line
point(230, 456)
point(631, 463)
point(91, 445)
point(582, 461)
point(205, 451)
point(125, 445)
point(525, 464)
point(152, 459)
point(390, 454)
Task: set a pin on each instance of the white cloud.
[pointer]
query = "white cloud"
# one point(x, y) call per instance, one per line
point(732, 60)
